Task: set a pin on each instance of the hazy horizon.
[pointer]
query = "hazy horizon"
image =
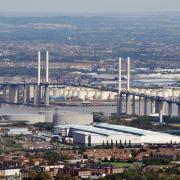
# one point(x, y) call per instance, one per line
point(89, 6)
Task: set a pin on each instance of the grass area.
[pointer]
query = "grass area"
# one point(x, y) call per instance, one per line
point(118, 164)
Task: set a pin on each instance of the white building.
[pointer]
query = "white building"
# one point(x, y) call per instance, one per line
point(17, 131)
point(10, 173)
point(106, 133)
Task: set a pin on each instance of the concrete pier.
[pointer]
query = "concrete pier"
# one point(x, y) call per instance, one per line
point(46, 95)
point(134, 105)
point(170, 109)
point(139, 106)
point(128, 105)
point(161, 110)
point(145, 106)
point(178, 110)
point(13, 94)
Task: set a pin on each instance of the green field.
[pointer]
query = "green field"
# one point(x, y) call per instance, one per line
point(117, 164)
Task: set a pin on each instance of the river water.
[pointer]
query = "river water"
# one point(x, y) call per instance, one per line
point(107, 110)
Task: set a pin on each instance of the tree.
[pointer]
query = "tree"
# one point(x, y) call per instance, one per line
point(134, 152)
point(107, 143)
point(32, 174)
point(105, 159)
point(116, 143)
point(111, 143)
point(120, 144)
point(129, 143)
point(85, 156)
point(112, 158)
point(103, 144)
point(125, 143)
point(45, 176)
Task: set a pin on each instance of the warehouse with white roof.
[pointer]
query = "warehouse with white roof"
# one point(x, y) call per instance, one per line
point(101, 133)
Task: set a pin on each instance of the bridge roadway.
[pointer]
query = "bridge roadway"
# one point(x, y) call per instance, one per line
point(124, 91)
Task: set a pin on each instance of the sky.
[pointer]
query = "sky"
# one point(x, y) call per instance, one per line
point(89, 6)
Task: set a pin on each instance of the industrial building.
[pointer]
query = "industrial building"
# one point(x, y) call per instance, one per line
point(16, 131)
point(102, 133)
point(154, 83)
point(64, 118)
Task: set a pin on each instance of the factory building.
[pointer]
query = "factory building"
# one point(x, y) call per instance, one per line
point(154, 82)
point(17, 131)
point(102, 133)
point(62, 118)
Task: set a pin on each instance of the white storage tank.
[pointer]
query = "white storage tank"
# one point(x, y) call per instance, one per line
point(61, 92)
point(51, 92)
point(69, 118)
point(97, 94)
point(147, 92)
point(112, 96)
point(176, 93)
point(159, 93)
point(166, 94)
point(56, 92)
point(90, 94)
point(153, 93)
point(70, 93)
point(65, 92)
point(75, 93)
point(104, 95)
point(68, 88)
point(77, 88)
point(82, 95)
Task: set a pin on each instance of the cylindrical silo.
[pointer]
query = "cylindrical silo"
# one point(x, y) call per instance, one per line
point(104, 95)
point(97, 94)
point(56, 92)
point(75, 93)
point(90, 94)
point(61, 92)
point(65, 93)
point(82, 95)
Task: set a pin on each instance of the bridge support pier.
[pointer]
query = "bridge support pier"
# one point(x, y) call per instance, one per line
point(36, 95)
point(170, 109)
point(119, 105)
point(156, 106)
point(145, 105)
point(178, 110)
point(13, 94)
point(128, 105)
point(4, 92)
point(19, 97)
point(140, 101)
point(161, 110)
point(152, 106)
point(46, 95)
point(134, 105)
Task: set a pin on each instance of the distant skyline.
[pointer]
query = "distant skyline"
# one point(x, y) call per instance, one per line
point(89, 6)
